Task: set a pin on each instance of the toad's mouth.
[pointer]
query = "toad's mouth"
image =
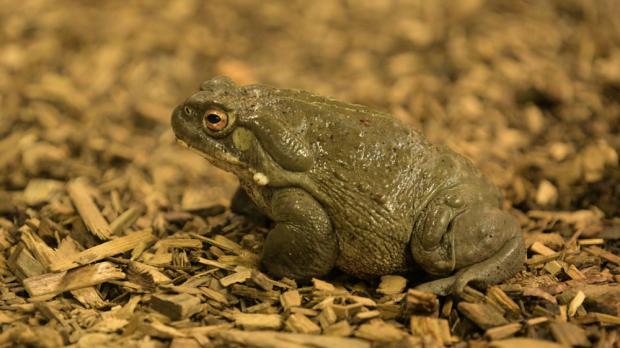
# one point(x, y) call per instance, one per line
point(217, 159)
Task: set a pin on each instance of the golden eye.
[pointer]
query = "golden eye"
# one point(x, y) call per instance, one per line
point(187, 110)
point(215, 120)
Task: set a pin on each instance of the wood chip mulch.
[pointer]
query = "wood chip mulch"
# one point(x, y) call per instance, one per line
point(111, 234)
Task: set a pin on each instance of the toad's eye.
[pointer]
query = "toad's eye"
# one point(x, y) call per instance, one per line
point(215, 120)
point(187, 110)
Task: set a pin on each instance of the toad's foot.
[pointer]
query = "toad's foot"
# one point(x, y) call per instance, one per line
point(441, 287)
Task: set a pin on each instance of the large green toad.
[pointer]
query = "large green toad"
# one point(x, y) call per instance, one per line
point(351, 187)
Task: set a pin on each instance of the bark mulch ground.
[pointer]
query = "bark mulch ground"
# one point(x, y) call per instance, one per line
point(111, 234)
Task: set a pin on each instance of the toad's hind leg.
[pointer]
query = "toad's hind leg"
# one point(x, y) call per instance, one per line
point(302, 244)
point(483, 274)
point(476, 232)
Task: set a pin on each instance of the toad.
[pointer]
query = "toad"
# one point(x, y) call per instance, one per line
point(350, 187)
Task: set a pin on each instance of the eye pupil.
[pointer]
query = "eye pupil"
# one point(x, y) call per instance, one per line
point(213, 118)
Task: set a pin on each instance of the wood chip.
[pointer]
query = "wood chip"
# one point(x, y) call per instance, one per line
point(328, 301)
point(56, 283)
point(223, 243)
point(347, 311)
point(482, 314)
point(606, 318)
point(574, 273)
point(96, 253)
point(37, 247)
point(6, 239)
point(214, 263)
point(341, 328)
point(524, 342)
point(327, 317)
point(537, 292)
point(176, 307)
point(125, 220)
point(266, 283)
point(241, 275)
point(377, 330)
point(598, 251)
point(89, 296)
point(499, 297)
point(258, 321)
point(541, 249)
point(575, 303)
point(598, 298)
point(389, 310)
point(181, 342)
point(206, 330)
point(536, 321)
point(365, 301)
point(214, 295)
point(323, 285)
point(547, 193)
point(540, 259)
point(438, 329)
point(366, 315)
point(168, 243)
point(269, 339)
point(154, 273)
point(591, 241)
point(553, 267)
point(470, 294)
point(569, 334)
point(80, 195)
point(420, 302)
point(23, 264)
point(562, 313)
point(246, 291)
point(157, 329)
point(290, 299)
point(299, 323)
point(42, 190)
point(392, 284)
point(50, 312)
point(305, 311)
point(504, 331)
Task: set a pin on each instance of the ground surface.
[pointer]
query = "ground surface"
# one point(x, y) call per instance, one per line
point(530, 90)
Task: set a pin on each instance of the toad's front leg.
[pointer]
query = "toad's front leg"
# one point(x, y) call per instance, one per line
point(302, 244)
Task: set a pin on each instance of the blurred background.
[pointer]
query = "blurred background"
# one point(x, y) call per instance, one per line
point(530, 90)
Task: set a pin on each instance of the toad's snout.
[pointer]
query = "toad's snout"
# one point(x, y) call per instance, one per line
point(177, 120)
